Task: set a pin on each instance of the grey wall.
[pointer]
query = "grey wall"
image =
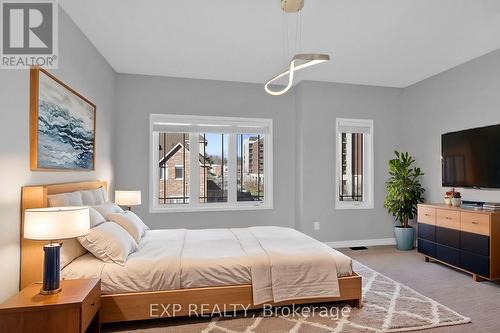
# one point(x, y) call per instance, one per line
point(138, 96)
point(318, 105)
point(464, 97)
point(304, 123)
point(83, 68)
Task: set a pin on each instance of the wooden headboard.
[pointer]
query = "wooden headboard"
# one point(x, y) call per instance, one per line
point(31, 267)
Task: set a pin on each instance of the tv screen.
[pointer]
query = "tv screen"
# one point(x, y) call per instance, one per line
point(471, 158)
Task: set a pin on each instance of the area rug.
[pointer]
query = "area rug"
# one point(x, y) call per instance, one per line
point(388, 306)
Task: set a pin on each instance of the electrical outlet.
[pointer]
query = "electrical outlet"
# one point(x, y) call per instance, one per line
point(316, 225)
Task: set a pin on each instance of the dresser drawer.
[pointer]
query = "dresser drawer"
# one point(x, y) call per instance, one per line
point(427, 248)
point(426, 215)
point(426, 231)
point(448, 218)
point(475, 243)
point(90, 306)
point(475, 223)
point(448, 237)
point(448, 254)
point(475, 263)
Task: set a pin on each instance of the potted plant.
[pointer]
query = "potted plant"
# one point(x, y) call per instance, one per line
point(453, 198)
point(404, 192)
point(447, 197)
point(456, 200)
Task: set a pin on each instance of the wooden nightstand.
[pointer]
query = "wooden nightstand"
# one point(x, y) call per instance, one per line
point(74, 309)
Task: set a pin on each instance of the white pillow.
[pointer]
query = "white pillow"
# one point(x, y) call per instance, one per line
point(70, 250)
point(95, 217)
point(65, 199)
point(109, 242)
point(108, 208)
point(93, 197)
point(130, 222)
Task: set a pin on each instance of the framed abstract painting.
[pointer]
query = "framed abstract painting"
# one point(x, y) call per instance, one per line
point(62, 125)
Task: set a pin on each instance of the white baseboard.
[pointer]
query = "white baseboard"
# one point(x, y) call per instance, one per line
point(362, 242)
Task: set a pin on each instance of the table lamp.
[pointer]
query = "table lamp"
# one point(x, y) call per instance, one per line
point(50, 224)
point(128, 198)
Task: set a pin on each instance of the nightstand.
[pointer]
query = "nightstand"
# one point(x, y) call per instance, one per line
point(74, 310)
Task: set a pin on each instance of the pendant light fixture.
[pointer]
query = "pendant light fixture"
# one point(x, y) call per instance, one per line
point(299, 61)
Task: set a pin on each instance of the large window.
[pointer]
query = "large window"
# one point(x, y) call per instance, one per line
point(354, 164)
point(226, 163)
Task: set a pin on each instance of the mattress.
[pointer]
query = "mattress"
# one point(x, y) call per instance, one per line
point(179, 259)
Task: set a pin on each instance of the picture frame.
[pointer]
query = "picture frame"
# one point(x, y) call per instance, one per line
point(62, 125)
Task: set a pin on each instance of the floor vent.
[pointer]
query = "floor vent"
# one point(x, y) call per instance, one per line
point(358, 248)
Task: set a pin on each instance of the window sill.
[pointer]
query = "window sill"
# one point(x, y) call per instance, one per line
point(344, 206)
point(209, 208)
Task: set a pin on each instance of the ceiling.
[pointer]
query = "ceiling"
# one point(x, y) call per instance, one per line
point(376, 42)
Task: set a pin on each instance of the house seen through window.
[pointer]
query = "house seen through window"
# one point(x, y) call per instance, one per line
point(227, 167)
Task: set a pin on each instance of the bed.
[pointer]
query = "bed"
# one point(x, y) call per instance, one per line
point(211, 268)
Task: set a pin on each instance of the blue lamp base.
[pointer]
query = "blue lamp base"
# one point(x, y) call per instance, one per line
point(51, 269)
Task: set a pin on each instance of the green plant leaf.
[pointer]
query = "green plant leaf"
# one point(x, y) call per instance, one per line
point(404, 190)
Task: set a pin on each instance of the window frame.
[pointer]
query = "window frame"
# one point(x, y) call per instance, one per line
point(368, 164)
point(233, 123)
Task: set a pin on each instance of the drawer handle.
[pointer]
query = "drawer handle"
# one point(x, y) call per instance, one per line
point(427, 214)
point(92, 304)
point(474, 222)
point(448, 218)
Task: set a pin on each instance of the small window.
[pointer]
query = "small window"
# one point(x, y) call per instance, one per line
point(354, 164)
point(179, 172)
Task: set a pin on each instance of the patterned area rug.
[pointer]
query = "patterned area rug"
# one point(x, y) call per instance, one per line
point(388, 306)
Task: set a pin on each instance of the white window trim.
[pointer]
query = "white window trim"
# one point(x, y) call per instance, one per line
point(233, 124)
point(368, 165)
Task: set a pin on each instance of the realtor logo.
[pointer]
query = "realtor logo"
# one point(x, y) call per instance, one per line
point(29, 34)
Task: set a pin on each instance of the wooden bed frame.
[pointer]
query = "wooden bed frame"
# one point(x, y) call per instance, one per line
point(151, 305)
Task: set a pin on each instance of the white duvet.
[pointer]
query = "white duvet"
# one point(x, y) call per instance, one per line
point(280, 263)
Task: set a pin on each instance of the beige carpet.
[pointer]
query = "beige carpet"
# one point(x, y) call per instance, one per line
point(388, 306)
point(479, 301)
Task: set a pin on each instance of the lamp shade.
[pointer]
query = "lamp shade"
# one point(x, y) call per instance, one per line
point(128, 198)
point(56, 223)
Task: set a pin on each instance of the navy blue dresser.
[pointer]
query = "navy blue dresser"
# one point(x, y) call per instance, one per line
point(465, 239)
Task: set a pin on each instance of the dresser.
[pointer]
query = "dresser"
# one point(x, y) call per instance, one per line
point(465, 239)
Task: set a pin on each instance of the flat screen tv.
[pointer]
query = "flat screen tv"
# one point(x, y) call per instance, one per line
point(471, 158)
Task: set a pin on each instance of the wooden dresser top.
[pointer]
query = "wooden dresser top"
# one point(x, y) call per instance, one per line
point(445, 206)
